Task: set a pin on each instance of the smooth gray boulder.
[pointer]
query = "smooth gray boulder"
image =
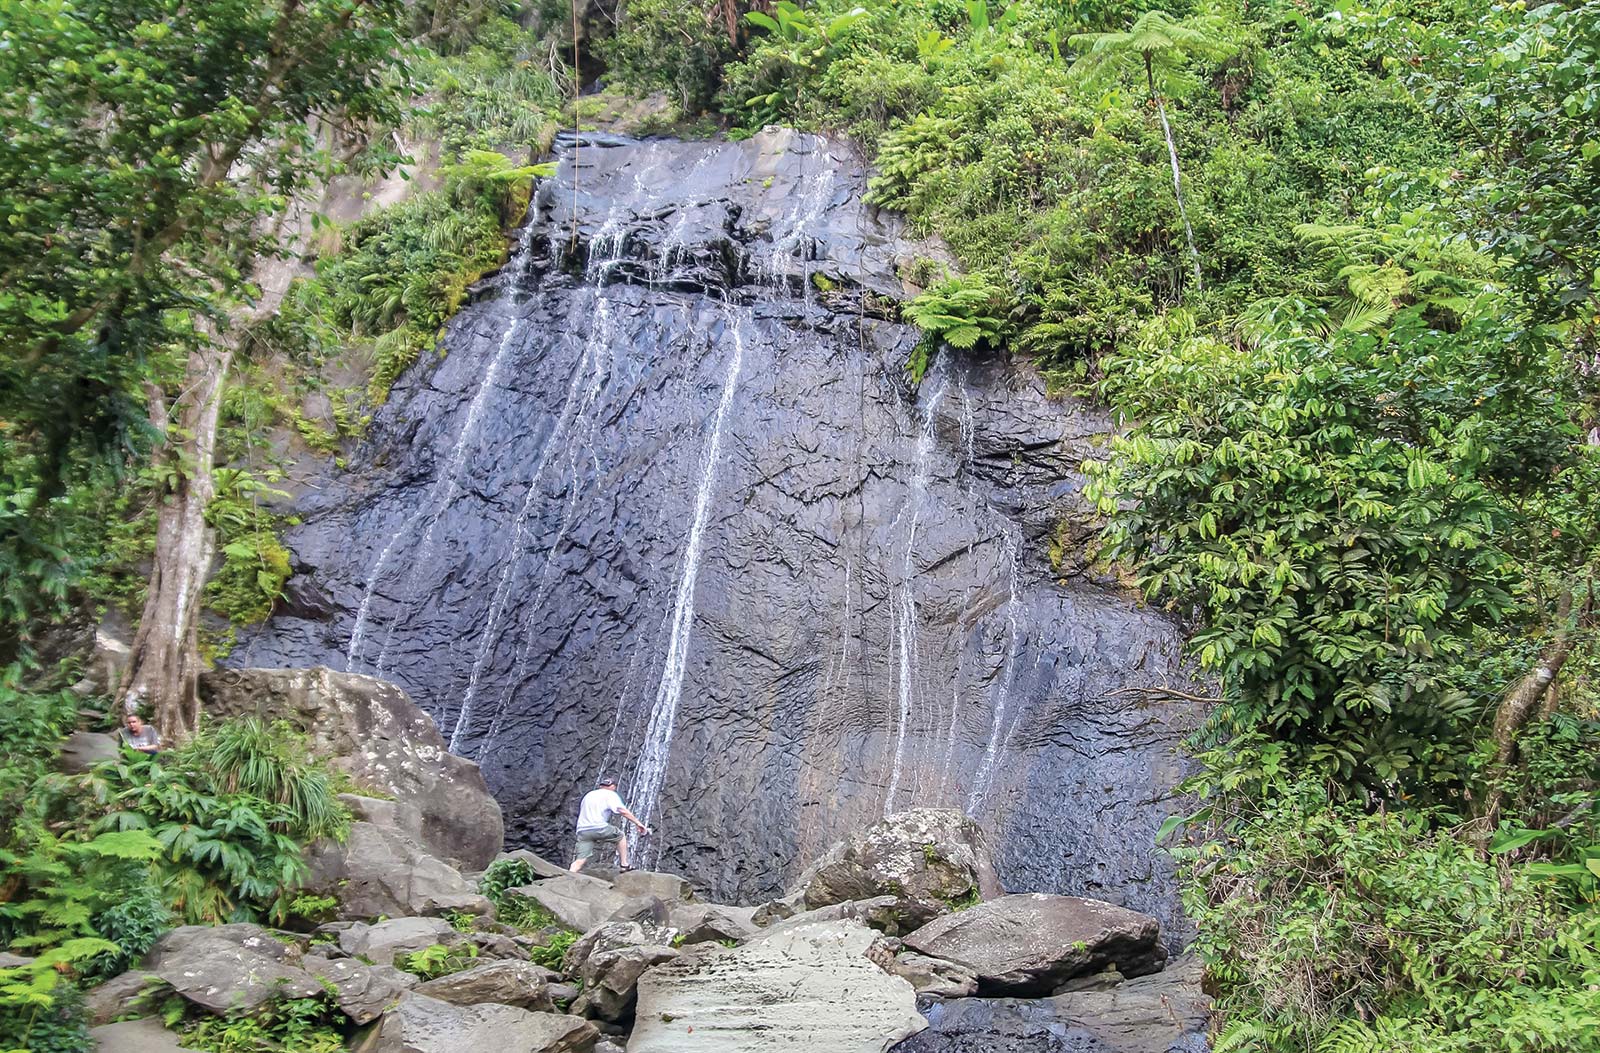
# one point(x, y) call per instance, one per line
point(880, 912)
point(135, 1036)
point(82, 750)
point(362, 992)
point(711, 922)
point(509, 982)
point(1162, 1013)
point(808, 988)
point(578, 901)
point(380, 872)
point(669, 888)
point(931, 860)
point(230, 968)
point(540, 866)
point(371, 730)
point(381, 942)
point(1029, 944)
point(934, 976)
point(134, 991)
point(420, 1024)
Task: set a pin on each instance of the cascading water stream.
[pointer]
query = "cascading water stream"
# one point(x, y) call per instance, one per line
point(997, 736)
point(904, 602)
point(447, 486)
point(651, 771)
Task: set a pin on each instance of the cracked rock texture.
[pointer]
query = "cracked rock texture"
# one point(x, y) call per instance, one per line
point(867, 621)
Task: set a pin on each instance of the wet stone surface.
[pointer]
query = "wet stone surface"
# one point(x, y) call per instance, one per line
point(669, 507)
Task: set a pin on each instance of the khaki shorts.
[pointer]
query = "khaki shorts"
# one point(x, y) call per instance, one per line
point(588, 839)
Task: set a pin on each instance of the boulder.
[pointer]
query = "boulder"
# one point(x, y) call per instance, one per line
point(1162, 1013)
point(508, 982)
point(420, 1024)
point(668, 887)
point(230, 968)
point(880, 912)
point(498, 945)
point(808, 988)
point(934, 976)
point(135, 1036)
point(648, 911)
point(371, 730)
point(132, 992)
point(1029, 944)
point(578, 901)
point(381, 942)
point(775, 910)
point(82, 750)
point(363, 992)
point(541, 867)
point(931, 860)
point(380, 872)
point(107, 662)
point(13, 961)
point(711, 922)
point(609, 960)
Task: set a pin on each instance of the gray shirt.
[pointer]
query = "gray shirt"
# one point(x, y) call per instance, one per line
point(146, 739)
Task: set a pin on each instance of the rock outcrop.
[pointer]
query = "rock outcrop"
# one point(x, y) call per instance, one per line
point(873, 624)
point(809, 988)
point(503, 982)
point(578, 901)
point(609, 961)
point(1163, 1013)
point(230, 968)
point(135, 1036)
point(362, 992)
point(930, 860)
point(382, 941)
point(380, 872)
point(371, 730)
point(1029, 944)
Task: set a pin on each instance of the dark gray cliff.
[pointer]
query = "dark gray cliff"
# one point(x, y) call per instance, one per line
point(669, 507)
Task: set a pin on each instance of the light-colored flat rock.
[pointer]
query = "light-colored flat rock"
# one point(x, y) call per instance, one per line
point(810, 988)
point(427, 1025)
point(578, 901)
point(135, 1036)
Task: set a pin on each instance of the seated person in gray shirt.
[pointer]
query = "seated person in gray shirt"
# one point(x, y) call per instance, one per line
point(141, 736)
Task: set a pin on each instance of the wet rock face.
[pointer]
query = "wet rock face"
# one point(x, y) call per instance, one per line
point(668, 507)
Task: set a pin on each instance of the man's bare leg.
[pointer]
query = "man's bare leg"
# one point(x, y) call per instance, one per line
point(577, 864)
point(622, 853)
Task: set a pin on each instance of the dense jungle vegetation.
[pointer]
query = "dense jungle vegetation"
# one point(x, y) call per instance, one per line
point(1334, 264)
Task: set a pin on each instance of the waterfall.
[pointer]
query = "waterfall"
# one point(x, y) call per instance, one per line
point(903, 604)
point(650, 774)
point(997, 739)
point(447, 485)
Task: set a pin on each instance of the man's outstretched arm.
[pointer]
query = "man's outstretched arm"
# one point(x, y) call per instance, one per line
point(643, 829)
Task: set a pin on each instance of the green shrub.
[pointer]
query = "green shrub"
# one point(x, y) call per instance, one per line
point(504, 874)
point(668, 45)
point(437, 960)
point(57, 1026)
point(301, 1025)
point(134, 924)
point(553, 951)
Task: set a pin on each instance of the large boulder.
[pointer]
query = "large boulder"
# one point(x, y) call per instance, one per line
point(135, 1036)
point(1163, 1013)
point(510, 982)
point(711, 922)
point(879, 912)
point(82, 750)
point(669, 888)
point(609, 960)
point(931, 860)
point(578, 901)
point(380, 872)
point(1029, 944)
point(420, 1024)
point(133, 993)
point(230, 968)
point(372, 730)
point(934, 976)
point(362, 992)
point(808, 988)
point(382, 942)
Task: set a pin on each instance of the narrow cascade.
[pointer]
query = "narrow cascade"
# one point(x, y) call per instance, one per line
point(651, 771)
point(1002, 691)
point(445, 488)
point(903, 604)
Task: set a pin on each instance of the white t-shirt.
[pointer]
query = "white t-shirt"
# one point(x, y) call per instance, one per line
point(595, 811)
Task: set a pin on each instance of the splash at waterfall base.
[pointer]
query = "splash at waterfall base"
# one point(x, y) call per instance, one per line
point(668, 506)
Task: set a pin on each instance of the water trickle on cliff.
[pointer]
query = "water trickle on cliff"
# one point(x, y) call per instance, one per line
point(903, 602)
point(652, 767)
point(448, 481)
point(998, 733)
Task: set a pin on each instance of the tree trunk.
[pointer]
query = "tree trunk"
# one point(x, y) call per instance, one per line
point(165, 662)
point(1177, 177)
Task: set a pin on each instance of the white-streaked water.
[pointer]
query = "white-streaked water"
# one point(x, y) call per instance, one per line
point(998, 734)
point(650, 773)
point(903, 603)
point(447, 485)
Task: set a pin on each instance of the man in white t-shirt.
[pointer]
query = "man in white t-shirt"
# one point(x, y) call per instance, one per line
point(600, 805)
